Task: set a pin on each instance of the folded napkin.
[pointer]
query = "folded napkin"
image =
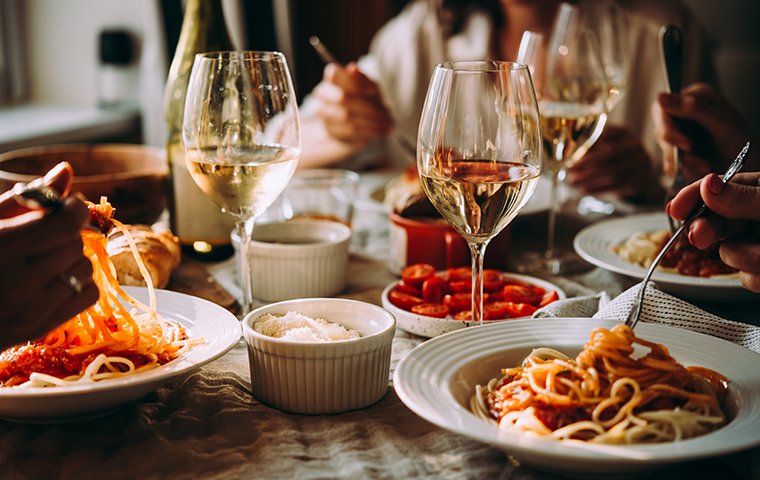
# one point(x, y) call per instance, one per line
point(658, 307)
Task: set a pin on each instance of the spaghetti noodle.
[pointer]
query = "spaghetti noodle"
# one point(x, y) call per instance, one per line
point(605, 395)
point(106, 340)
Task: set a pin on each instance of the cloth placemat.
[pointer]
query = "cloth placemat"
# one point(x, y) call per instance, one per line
point(658, 307)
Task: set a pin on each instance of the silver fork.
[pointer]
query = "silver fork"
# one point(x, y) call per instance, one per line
point(633, 316)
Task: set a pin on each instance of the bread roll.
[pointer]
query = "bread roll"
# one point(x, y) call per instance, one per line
point(160, 252)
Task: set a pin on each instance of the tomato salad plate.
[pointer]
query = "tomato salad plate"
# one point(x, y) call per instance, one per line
point(429, 303)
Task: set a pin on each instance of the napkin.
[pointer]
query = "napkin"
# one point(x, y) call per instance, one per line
point(659, 307)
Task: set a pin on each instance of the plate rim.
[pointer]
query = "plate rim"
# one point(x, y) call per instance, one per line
point(517, 443)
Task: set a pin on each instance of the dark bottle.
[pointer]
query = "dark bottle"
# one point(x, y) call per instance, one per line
point(203, 230)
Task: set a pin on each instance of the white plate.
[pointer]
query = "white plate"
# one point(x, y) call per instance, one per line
point(220, 329)
point(594, 244)
point(437, 379)
point(431, 326)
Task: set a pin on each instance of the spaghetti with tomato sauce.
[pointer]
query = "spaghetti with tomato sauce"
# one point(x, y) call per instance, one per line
point(605, 395)
point(110, 338)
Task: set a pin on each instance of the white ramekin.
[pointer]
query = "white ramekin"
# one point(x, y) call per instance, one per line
point(319, 378)
point(297, 259)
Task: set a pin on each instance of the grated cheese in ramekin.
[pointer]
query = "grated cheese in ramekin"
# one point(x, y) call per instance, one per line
point(296, 327)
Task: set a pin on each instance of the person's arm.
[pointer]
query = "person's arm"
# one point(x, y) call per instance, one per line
point(38, 253)
point(733, 220)
point(710, 132)
point(345, 112)
point(617, 164)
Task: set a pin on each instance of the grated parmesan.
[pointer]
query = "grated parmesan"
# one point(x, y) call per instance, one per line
point(296, 327)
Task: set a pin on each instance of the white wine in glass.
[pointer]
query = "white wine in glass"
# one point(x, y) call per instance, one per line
point(608, 20)
point(479, 151)
point(241, 136)
point(572, 89)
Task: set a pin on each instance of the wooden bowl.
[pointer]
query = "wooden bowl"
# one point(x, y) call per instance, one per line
point(133, 177)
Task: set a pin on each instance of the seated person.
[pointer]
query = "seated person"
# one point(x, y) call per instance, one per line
point(717, 134)
point(357, 106)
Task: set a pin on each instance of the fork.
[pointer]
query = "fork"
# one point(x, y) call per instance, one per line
point(671, 43)
point(633, 316)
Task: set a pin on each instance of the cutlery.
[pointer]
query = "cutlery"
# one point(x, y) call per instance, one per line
point(671, 43)
point(633, 316)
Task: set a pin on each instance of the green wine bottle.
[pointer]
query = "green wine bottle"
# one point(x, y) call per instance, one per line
point(203, 230)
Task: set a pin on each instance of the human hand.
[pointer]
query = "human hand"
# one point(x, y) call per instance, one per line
point(733, 220)
point(709, 133)
point(352, 109)
point(616, 164)
point(36, 252)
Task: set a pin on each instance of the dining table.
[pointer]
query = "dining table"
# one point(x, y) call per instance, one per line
point(208, 424)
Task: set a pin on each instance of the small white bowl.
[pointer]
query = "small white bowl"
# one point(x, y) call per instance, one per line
point(297, 258)
point(319, 378)
point(430, 327)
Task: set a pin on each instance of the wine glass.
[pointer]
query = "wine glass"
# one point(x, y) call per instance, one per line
point(572, 89)
point(609, 22)
point(479, 151)
point(241, 136)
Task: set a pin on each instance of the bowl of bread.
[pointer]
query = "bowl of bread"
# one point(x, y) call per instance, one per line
point(132, 177)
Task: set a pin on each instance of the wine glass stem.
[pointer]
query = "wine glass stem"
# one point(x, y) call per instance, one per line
point(478, 251)
point(554, 210)
point(245, 265)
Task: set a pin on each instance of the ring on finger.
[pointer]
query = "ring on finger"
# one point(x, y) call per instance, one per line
point(72, 282)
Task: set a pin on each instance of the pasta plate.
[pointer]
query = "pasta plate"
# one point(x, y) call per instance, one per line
point(217, 326)
point(437, 379)
point(594, 244)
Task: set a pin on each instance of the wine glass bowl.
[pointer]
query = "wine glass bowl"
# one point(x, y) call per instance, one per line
point(479, 151)
point(241, 136)
point(572, 92)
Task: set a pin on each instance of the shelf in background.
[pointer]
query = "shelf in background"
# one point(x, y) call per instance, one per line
point(36, 124)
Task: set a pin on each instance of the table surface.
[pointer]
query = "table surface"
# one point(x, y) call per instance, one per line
point(208, 425)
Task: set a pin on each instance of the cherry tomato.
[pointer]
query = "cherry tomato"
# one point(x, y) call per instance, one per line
point(522, 294)
point(492, 280)
point(460, 286)
point(436, 310)
point(406, 287)
point(548, 298)
point(417, 273)
point(496, 310)
point(517, 310)
point(463, 315)
point(433, 290)
point(403, 300)
point(459, 273)
point(458, 301)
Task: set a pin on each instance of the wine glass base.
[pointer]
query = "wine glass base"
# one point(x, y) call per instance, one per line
point(561, 263)
point(590, 205)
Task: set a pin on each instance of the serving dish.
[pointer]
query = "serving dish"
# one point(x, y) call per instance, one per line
point(594, 244)
point(437, 379)
point(132, 176)
point(202, 319)
point(429, 326)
